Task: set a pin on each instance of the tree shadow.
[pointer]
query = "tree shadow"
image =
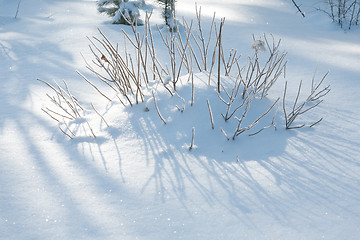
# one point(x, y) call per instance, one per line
point(40, 195)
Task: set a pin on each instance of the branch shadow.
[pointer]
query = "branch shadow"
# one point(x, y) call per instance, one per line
point(212, 171)
point(285, 175)
point(281, 175)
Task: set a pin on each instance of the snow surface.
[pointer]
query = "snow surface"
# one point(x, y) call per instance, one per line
point(137, 179)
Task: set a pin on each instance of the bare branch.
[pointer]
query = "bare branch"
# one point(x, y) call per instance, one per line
point(303, 107)
point(157, 109)
point(211, 115)
point(298, 8)
point(102, 117)
point(192, 138)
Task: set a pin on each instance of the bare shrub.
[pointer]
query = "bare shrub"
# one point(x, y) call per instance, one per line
point(65, 108)
point(346, 13)
point(313, 99)
point(132, 71)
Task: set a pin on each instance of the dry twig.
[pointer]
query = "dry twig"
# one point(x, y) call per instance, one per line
point(315, 95)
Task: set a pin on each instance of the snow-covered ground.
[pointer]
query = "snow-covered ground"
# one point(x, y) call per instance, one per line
point(137, 179)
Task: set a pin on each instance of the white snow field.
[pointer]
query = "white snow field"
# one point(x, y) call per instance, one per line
point(138, 179)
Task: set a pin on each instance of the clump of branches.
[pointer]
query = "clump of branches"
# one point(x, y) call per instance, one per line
point(346, 13)
point(121, 73)
point(261, 72)
point(238, 109)
point(131, 69)
point(313, 99)
point(134, 69)
point(202, 42)
point(254, 80)
point(178, 52)
point(66, 108)
point(241, 129)
point(129, 75)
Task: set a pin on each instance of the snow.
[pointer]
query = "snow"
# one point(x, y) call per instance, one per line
point(137, 179)
point(127, 9)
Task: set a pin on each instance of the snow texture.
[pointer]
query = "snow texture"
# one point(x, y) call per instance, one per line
point(138, 179)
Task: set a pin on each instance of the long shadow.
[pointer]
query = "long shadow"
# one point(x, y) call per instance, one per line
point(35, 173)
point(275, 174)
point(282, 174)
point(211, 171)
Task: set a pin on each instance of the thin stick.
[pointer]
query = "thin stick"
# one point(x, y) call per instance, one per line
point(157, 109)
point(297, 97)
point(219, 57)
point(298, 8)
point(241, 130)
point(223, 132)
point(183, 101)
point(65, 132)
point(284, 109)
point(211, 115)
point(49, 115)
point(93, 85)
point(68, 128)
point(271, 125)
point(61, 115)
point(92, 132)
point(258, 119)
point(192, 138)
point(192, 89)
point(17, 9)
point(316, 122)
point(102, 117)
point(73, 100)
point(264, 128)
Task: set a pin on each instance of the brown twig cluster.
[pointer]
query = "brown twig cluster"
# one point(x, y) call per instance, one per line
point(66, 108)
point(129, 71)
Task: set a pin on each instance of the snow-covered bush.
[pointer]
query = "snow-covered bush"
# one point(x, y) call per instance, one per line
point(122, 11)
point(240, 92)
point(344, 12)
